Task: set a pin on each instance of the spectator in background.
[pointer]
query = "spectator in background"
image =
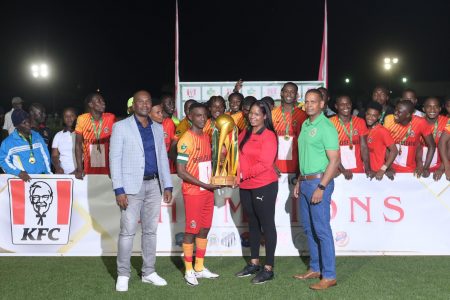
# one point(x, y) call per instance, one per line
point(3, 132)
point(17, 103)
point(157, 115)
point(380, 94)
point(185, 124)
point(246, 103)
point(406, 130)
point(130, 106)
point(447, 107)
point(38, 117)
point(437, 123)
point(63, 146)
point(410, 95)
point(352, 132)
point(234, 102)
point(287, 120)
point(328, 112)
point(269, 101)
point(24, 151)
point(380, 143)
point(168, 105)
point(93, 131)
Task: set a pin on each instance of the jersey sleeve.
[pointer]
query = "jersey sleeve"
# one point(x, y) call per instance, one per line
point(184, 149)
point(80, 124)
point(362, 127)
point(425, 128)
point(387, 138)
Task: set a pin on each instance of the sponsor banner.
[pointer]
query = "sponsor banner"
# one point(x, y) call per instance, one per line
point(401, 217)
point(202, 91)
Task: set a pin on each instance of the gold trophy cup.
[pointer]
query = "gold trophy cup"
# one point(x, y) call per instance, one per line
point(225, 169)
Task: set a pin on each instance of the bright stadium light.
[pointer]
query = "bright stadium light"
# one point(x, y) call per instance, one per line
point(395, 60)
point(387, 60)
point(404, 80)
point(347, 80)
point(40, 70)
point(387, 66)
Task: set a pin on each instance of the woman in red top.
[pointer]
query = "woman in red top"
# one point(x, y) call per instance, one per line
point(259, 187)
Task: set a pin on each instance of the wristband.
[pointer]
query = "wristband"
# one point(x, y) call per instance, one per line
point(383, 168)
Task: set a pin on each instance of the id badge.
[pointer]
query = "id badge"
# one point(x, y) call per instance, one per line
point(204, 172)
point(285, 148)
point(424, 157)
point(402, 156)
point(348, 157)
point(98, 155)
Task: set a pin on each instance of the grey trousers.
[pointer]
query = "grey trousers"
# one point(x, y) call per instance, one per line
point(144, 206)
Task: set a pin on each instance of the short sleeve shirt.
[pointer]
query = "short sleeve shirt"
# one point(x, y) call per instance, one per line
point(239, 120)
point(378, 140)
point(86, 129)
point(64, 141)
point(315, 139)
point(169, 135)
point(194, 151)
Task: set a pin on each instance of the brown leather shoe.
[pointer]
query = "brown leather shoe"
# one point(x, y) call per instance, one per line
point(310, 274)
point(323, 284)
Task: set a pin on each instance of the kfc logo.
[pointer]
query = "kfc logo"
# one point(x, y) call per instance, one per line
point(40, 210)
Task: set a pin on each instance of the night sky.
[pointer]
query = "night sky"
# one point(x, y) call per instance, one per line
point(124, 47)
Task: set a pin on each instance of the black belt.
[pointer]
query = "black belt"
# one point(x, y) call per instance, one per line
point(151, 177)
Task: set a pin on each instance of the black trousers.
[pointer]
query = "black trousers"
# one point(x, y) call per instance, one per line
point(259, 205)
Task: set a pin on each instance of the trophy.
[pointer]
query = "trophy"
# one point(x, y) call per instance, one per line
point(225, 144)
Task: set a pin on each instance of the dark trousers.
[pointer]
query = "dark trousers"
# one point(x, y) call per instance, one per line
point(259, 205)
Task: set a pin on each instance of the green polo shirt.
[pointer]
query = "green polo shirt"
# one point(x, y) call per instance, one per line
point(315, 138)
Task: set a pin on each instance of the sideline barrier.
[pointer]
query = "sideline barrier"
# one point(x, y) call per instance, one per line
point(408, 216)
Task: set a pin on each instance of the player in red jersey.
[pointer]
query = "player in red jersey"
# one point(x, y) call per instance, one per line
point(406, 130)
point(194, 168)
point(352, 133)
point(93, 131)
point(287, 120)
point(437, 122)
point(380, 143)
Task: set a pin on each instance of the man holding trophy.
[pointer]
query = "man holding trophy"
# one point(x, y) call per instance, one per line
point(194, 168)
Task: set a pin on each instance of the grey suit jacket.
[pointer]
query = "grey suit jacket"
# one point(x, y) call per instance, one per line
point(127, 159)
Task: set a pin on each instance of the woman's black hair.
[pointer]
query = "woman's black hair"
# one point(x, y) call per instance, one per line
point(268, 124)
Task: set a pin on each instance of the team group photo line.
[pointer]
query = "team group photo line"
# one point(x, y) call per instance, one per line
point(231, 141)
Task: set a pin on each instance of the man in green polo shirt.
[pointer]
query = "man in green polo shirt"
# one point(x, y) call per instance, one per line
point(318, 160)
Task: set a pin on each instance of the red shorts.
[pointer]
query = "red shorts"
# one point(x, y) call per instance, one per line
point(198, 210)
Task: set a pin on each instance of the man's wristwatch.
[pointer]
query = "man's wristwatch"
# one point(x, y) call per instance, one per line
point(321, 187)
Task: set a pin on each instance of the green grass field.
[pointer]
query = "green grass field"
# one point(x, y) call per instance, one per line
point(94, 278)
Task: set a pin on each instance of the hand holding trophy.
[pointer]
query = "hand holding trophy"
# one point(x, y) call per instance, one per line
point(225, 151)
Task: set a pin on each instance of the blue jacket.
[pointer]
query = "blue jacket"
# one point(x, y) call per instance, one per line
point(15, 155)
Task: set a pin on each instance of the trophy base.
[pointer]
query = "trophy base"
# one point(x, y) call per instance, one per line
point(223, 180)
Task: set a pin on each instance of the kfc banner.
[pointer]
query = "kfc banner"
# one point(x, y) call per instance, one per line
point(59, 215)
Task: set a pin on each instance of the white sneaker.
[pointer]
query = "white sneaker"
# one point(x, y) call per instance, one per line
point(155, 279)
point(205, 273)
point(190, 278)
point(122, 284)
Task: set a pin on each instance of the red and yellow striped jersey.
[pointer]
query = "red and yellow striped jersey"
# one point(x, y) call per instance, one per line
point(184, 126)
point(406, 143)
point(86, 129)
point(239, 120)
point(294, 121)
point(209, 128)
point(169, 134)
point(359, 129)
point(437, 133)
point(194, 151)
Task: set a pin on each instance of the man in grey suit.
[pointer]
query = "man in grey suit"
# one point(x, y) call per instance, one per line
point(140, 173)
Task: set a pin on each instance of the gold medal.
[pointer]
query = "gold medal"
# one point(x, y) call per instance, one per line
point(286, 138)
point(32, 160)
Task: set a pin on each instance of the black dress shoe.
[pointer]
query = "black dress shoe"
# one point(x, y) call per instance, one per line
point(249, 270)
point(263, 276)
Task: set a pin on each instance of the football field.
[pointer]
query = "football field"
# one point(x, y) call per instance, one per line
point(94, 278)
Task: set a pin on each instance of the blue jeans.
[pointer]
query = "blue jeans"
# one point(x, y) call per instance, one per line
point(316, 223)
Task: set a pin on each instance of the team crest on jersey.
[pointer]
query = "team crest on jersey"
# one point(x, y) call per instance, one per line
point(369, 140)
point(412, 134)
point(294, 123)
point(106, 130)
point(193, 224)
point(165, 134)
point(183, 147)
point(313, 132)
point(355, 131)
